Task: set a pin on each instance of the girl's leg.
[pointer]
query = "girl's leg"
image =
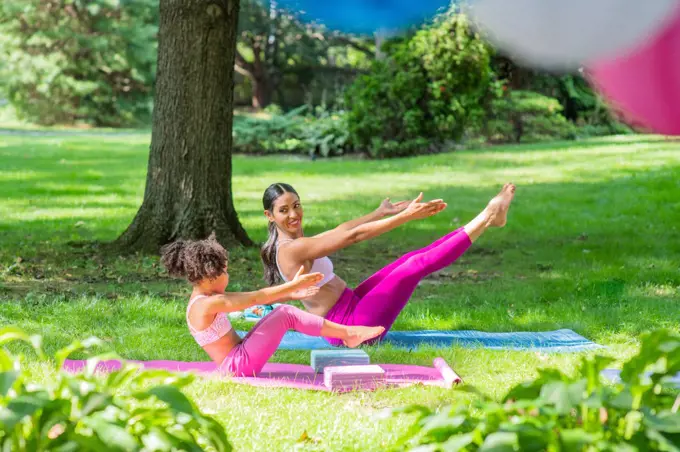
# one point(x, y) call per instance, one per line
point(385, 301)
point(262, 341)
point(367, 285)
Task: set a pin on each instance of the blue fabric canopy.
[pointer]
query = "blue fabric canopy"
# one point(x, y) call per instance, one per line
point(366, 16)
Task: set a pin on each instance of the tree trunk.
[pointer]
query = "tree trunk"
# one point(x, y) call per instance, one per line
point(188, 185)
point(263, 91)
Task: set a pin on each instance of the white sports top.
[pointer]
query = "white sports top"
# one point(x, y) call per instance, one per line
point(323, 265)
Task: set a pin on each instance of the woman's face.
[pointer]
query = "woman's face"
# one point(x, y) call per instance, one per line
point(287, 213)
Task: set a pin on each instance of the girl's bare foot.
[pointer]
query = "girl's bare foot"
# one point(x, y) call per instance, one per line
point(497, 209)
point(356, 335)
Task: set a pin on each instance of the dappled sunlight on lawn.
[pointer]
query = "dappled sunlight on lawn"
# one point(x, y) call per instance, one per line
point(592, 244)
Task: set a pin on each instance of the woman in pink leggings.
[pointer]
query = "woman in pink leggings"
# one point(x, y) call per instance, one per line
point(204, 264)
point(378, 300)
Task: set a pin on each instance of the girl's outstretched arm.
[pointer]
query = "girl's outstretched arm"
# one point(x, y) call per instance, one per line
point(238, 301)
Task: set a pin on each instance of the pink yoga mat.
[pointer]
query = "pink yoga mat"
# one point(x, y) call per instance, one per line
point(281, 375)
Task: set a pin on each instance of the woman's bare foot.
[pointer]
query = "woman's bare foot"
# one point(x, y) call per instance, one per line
point(497, 209)
point(359, 334)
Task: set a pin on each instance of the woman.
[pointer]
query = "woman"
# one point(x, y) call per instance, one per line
point(378, 300)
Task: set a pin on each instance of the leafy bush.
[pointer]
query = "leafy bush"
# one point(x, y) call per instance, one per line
point(129, 410)
point(324, 133)
point(281, 133)
point(428, 91)
point(525, 116)
point(557, 412)
point(91, 61)
point(615, 128)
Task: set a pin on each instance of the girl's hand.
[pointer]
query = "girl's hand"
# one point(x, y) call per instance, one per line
point(303, 294)
point(302, 280)
point(418, 210)
point(387, 208)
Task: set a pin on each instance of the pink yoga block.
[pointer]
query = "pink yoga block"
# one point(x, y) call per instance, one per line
point(348, 377)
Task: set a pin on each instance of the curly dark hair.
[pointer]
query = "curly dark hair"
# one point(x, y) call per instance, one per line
point(195, 260)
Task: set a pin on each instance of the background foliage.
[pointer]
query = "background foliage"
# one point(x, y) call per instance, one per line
point(322, 93)
point(77, 60)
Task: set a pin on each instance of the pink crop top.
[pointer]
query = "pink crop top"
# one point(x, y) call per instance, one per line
point(217, 329)
point(323, 265)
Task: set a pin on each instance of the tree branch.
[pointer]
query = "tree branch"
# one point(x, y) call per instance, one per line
point(349, 42)
point(242, 64)
point(342, 41)
point(322, 68)
point(242, 71)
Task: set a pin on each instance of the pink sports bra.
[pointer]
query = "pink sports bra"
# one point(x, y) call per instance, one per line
point(323, 265)
point(217, 329)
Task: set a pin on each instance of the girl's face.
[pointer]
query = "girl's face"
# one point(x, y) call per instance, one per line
point(219, 284)
point(287, 213)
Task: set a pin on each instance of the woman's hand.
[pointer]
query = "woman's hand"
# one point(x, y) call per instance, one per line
point(387, 208)
point(304, 280)
point(418, 210)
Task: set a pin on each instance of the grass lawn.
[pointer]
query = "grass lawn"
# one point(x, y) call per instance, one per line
point(592, 244)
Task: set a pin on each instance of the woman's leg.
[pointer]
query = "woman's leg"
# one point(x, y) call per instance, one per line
point(385, 301)
point(368, 284)
point(262, 341)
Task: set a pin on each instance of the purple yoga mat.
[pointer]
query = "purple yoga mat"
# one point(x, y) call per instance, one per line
point(279, 375)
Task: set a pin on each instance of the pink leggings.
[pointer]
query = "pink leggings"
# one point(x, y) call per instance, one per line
point(249, 357)
point(375, 302)
point(378, 300)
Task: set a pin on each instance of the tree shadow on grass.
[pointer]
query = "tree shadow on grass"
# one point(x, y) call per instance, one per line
point(540, 221)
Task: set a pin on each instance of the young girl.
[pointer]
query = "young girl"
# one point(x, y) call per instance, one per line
point(204, 264)
point(379, 299)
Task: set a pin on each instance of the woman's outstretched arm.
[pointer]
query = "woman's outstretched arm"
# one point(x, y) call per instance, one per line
point(309, 248)
point(385, 208)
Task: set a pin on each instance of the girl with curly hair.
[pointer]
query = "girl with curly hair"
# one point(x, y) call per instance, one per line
point(204, 264)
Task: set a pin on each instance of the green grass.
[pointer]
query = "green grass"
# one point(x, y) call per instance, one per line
point(592, 244)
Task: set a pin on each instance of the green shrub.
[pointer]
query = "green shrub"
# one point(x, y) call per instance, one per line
point(613, 128)
point(426, 93)
point(557, 412)
point(324, 133)
point(281, 133)
point(526, 116)
point(273, 109)
point(128, 410)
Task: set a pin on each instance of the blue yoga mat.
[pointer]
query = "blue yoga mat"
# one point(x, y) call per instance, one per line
point(550, 341)
point(614, 375)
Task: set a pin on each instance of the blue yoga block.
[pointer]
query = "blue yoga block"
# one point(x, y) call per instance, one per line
point(327, 358)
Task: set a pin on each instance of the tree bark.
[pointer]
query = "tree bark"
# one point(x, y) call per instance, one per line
point(188, 185)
